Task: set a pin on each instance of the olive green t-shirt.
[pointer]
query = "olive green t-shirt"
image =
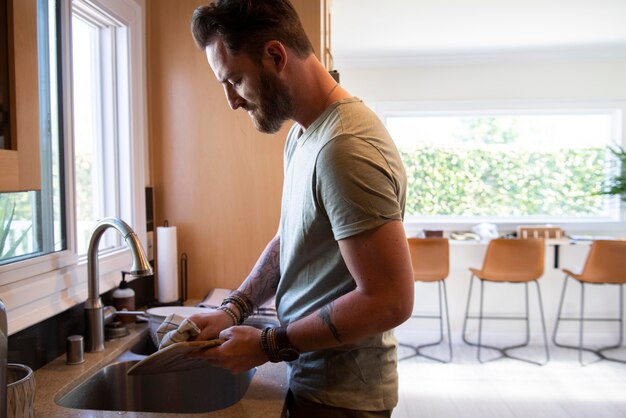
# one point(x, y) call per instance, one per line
point(343, 176)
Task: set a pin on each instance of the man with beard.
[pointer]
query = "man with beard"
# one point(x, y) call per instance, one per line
point(339, 265)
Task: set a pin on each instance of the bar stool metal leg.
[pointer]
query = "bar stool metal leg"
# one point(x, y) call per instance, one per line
point(558, 313)
point(480, 320)
point(543, 322)
point(467, 307)
point(445, 295)
point(582, 323)
point(504, 351)
point(581, 319)
point(443, 307)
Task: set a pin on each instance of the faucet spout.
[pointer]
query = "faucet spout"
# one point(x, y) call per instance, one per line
point(94, 310)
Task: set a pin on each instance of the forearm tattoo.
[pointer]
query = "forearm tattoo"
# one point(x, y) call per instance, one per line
point(325, 315)
point(262, 282)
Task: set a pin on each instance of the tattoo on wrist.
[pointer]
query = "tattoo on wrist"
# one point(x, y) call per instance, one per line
point(325, 315)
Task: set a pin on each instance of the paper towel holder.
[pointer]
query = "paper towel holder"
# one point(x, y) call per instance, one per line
point(183, 277)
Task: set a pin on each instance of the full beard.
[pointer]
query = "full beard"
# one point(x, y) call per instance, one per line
point(275, 104)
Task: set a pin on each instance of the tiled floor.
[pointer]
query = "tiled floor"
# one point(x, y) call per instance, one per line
point(508, 388)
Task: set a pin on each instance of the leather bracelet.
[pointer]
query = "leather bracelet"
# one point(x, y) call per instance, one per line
point(285, 351)
point(230, 313)
point(276, 345)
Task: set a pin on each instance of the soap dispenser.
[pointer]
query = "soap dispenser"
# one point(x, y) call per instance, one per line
point(124, 298)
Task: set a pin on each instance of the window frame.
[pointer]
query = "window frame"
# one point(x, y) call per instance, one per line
point(40, 287)
point(413, 224)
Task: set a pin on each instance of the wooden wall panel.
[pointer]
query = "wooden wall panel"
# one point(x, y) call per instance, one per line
point(216, 178)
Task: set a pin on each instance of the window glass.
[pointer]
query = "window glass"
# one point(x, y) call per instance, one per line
point(540, 164)
point(18, 217)
point(86, 79)
point(101, 119)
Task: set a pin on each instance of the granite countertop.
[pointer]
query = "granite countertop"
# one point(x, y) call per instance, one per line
point(265, 396)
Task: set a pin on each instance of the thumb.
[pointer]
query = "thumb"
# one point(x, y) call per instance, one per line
point(226, 334)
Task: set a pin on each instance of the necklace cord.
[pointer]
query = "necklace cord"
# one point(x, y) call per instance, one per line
point(330, 92)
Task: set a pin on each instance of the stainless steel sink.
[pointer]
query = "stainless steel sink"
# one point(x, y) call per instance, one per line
point(200, 390)
point(143, 348)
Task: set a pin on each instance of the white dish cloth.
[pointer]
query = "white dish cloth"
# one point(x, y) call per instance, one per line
point(175, 329)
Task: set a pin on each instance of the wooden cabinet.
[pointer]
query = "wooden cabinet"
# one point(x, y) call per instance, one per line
point(19, 166)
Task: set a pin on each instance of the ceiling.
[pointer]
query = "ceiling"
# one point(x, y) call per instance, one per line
point(383, 29)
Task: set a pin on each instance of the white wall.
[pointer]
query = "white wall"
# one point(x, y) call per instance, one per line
point(499, 77)
point(490, 78)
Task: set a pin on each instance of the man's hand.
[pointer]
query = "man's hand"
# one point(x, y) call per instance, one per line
point(240, 351)
point(211, 324)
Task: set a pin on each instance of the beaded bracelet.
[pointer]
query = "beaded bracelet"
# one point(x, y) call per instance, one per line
point(240, 308)
point(273, 344)
point(248, 305)
point(230, 313)
point(269, 344)
point(242, 303)
point(264, 343)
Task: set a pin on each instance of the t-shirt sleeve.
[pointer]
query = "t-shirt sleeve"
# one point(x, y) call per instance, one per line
point(355, 186)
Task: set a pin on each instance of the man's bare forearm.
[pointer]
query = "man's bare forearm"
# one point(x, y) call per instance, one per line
point(346, 320)
point(261, 283)
point(326, 315)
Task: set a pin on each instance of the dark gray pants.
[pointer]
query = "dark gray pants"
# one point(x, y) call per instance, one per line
point(300, 408)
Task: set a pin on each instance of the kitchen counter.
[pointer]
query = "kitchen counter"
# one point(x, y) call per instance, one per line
point(265, 396)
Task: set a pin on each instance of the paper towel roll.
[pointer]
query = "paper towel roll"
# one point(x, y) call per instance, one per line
point(167, 264)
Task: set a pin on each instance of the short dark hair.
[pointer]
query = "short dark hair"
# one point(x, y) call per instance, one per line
point(246, 25)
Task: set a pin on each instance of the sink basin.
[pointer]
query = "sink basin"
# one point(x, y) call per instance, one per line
point(193, 391)
point(144, 347)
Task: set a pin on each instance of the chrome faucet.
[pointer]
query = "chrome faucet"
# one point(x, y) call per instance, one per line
point(4, 344)
point(94, 310)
